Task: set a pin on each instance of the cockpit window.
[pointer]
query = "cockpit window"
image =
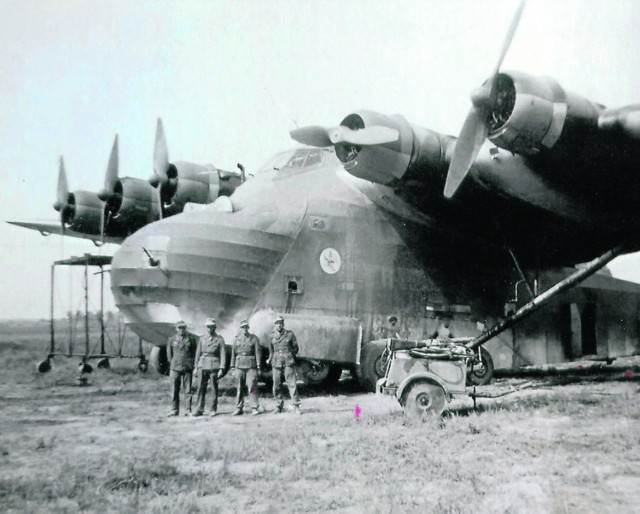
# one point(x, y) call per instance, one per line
point(277, 162)
point(304, 158)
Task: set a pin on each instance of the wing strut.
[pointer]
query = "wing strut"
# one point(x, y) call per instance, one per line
point(544, 298)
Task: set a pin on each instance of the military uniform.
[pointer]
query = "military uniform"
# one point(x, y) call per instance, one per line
point(210, 359)
point(246, 355)
point(284, 348)
point(181, 352)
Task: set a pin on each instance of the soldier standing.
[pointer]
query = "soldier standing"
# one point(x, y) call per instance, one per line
point(393, 331)
point(284, 348)
point(181, 349)
point(246, 356)
point(210, 361)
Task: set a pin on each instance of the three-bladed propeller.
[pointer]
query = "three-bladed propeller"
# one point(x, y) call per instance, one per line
point(62, 204)
point(322, 137)
point(475, 128)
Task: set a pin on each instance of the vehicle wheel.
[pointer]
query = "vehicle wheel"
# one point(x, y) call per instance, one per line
point(158, 359)
point(44, 366)
point(372, 364)
point(143, 365)
point(480, 373)
point(422, 400)
point(85, 367)
point(103, 364)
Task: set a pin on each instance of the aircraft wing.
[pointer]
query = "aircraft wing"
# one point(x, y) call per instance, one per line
point(55, 228)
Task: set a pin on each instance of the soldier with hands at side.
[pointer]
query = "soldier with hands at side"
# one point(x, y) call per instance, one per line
point(246, 355)
point(284, 348)
point(210, 362)
point(181, 349)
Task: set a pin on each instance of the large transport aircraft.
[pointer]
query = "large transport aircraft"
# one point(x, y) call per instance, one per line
point(378, 217)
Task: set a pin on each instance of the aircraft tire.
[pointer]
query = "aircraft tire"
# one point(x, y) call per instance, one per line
point(423, 400)
point(158, 359)
point(371, 367)
point(484, 374)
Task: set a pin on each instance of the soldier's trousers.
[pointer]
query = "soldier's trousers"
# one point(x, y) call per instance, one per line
point(207, 376)
point(246, 378)
point(177, 379)
point(285, 375)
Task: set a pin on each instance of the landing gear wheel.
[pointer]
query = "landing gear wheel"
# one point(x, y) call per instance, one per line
point(318, 373)
point(480, 373)
point(158, 359)
point(372, 364)
point(423, 400)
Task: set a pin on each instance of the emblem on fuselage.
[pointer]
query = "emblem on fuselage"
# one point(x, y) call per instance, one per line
point(330, 261)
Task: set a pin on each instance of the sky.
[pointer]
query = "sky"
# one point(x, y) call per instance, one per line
point(231, 78)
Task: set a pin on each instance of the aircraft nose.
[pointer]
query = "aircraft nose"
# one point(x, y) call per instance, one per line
point(194, 266)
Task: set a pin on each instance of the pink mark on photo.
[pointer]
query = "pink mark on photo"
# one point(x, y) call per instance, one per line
point(357, 411)
point(580, 366)
point(628, 374)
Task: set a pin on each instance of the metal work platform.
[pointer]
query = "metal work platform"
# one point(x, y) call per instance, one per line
point(87, 261)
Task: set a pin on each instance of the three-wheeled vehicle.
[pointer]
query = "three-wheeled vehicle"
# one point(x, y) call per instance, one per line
point(424, 375)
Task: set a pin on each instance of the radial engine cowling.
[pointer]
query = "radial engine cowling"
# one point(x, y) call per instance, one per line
point(417, 151)
point(83, 212)
point(195, 183)
point(530, 114)
point(133, 204)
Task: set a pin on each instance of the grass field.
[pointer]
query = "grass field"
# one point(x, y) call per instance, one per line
point(570, 444)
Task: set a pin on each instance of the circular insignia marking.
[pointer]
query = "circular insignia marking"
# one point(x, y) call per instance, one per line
point(330, 261)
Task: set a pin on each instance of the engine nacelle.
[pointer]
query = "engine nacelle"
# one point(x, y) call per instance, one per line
point(133, 205)
point(195, 183)
point(418, 152)
point(83, 212)
point(531, 114)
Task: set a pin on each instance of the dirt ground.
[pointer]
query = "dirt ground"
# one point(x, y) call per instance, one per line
point(565, 443)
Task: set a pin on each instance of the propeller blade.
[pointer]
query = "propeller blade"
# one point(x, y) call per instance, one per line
point(312, 136)
point(475, 128)
point(160, 154)
point(509, 37)
point(374, 135)
point(472, 136)
point(625, 119)
point(62, 192)
point(111, 175)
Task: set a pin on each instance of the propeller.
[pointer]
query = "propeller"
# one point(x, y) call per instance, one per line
point(322, 137)
point(475, 128)
point(62, 204)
